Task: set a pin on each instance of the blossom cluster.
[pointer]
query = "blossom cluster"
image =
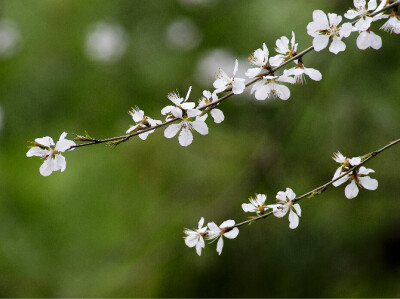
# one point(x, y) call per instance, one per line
point(228, 229)
point(185, 117)
point(350, 170)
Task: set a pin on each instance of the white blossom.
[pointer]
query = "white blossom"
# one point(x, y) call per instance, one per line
point(209, 98)
point(218, 232)
point(143, 122)
point(189, 119)
point(269, 87)
point(392, 25)
point(361, 11)
point(195, 238)
point(299, 72)
point(286, 204)
point(325, 28)
point(358, 177)
point(258, 58)
point(51, 153)
point(285, 50)
point(181, 106)
point(186, 126)
point(224, 82)
point(256, 204)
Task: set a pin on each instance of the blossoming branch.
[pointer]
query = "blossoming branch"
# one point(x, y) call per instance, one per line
point(350, 170)
point(185, 117)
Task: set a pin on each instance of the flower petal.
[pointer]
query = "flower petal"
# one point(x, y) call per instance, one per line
point(248, 207)
point(46, 141)
point(232, 234)
point(59, 163)
point(213, 227)
point(320, 42)
point(351, 190)
point(37, 151)
point(368, 183)
point(313, 74)
point(172, 130)
point(227, 223)
point(293, 220)
point(47, 167)
point(220, 245)
point(238, 86)
point(200, 126)
point(185, 137)
point(337, 46)
point(217, 115)
point(297, 209)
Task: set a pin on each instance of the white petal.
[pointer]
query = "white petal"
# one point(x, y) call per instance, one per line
point(365, 171)
point(213, 227)
point(220, 85)
point(64, 144)
point(262, 92)
point(281, 196)
point(191, 240)
point(293, 220)
point(363, 24)
point(313, 74)
point(232, 234)
point(261, 198)
point(188, 93)
point(251, 73)
point(320, 42)
point(188, 105)
point(238, 86)
point(297, 209)
point(363, 41)
point(368, 183)
point(172, 130)
point(351, 14)
point(47, 167)
point(282, 91)
point(320, 18)
point(283, 45)
point(276, 60)
point(37, 151)
point(201, 222)
point(290, 194)
point(200, 126)
point(376, 41)
point(59, 163)
point(199, 246)
point(227, 223)
point(279, 212)
point(217, 115)
point(46, 141)
point(185, 137)
point(351, 190)
point(220, 245)
point(337, 46)
point(144, 135)
point(248, 207)
point(177, 112)
point(236, 67)
point(167, 109)
point(372, 5)
point(334, 19)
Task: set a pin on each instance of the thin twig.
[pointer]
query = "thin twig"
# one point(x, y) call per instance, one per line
point(323, 187)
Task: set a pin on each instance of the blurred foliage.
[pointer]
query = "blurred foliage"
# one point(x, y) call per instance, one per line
point(111, 225)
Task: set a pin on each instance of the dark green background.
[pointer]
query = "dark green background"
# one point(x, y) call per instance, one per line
point(111, 224)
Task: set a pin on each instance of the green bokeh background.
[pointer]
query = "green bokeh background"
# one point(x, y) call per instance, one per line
point(111, 224)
